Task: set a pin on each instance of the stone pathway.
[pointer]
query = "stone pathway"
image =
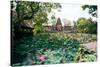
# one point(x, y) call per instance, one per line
point(91, 45)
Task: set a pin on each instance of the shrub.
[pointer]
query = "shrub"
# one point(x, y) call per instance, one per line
point(86, 26)
point(85, 55)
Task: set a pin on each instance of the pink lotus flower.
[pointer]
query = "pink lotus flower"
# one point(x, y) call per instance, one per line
point(42, 58)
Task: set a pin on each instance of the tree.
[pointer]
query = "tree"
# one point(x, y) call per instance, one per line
point(53, 19)
point(86, 26)
point(92, 9)
point(36, 11)
point(39, 19)
point(82, 25)
point(92, 26)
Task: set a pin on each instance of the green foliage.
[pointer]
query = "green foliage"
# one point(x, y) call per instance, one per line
point(36, 11)
point(44, 42)
point(26, 10)
point(53, 19)
point(40, 17)
point(57, 47)
point(92, 9)
point(86, 26)
point(82, 25)
point(53, 57)
point(85, 55)
point(92, 26)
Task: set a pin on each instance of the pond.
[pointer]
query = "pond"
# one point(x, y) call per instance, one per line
point(51, 48)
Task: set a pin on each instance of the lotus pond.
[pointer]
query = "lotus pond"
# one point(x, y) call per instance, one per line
point(52, 48)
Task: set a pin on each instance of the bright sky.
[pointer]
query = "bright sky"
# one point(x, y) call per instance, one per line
point(72, 12)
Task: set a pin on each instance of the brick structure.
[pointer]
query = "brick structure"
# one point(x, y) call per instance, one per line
point(59, 25)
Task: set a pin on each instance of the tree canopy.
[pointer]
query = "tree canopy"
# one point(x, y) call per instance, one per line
point(92, 9)
point(86, 26)
point(35, 11)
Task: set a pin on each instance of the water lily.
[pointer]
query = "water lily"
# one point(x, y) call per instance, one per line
point(42, 58)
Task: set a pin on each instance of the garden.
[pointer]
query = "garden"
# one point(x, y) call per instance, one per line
point(54, 48)
point(35, 42)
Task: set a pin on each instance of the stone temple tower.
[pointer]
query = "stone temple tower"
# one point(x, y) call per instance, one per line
point(59, 25)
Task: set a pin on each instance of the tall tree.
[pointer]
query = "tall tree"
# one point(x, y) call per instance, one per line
point(36, 11)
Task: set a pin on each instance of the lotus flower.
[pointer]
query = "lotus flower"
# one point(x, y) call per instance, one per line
point(42, 58)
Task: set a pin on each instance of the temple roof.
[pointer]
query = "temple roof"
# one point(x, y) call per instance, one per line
point(58, 22)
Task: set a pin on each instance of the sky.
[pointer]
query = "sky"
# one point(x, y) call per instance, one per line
point(71, 12)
